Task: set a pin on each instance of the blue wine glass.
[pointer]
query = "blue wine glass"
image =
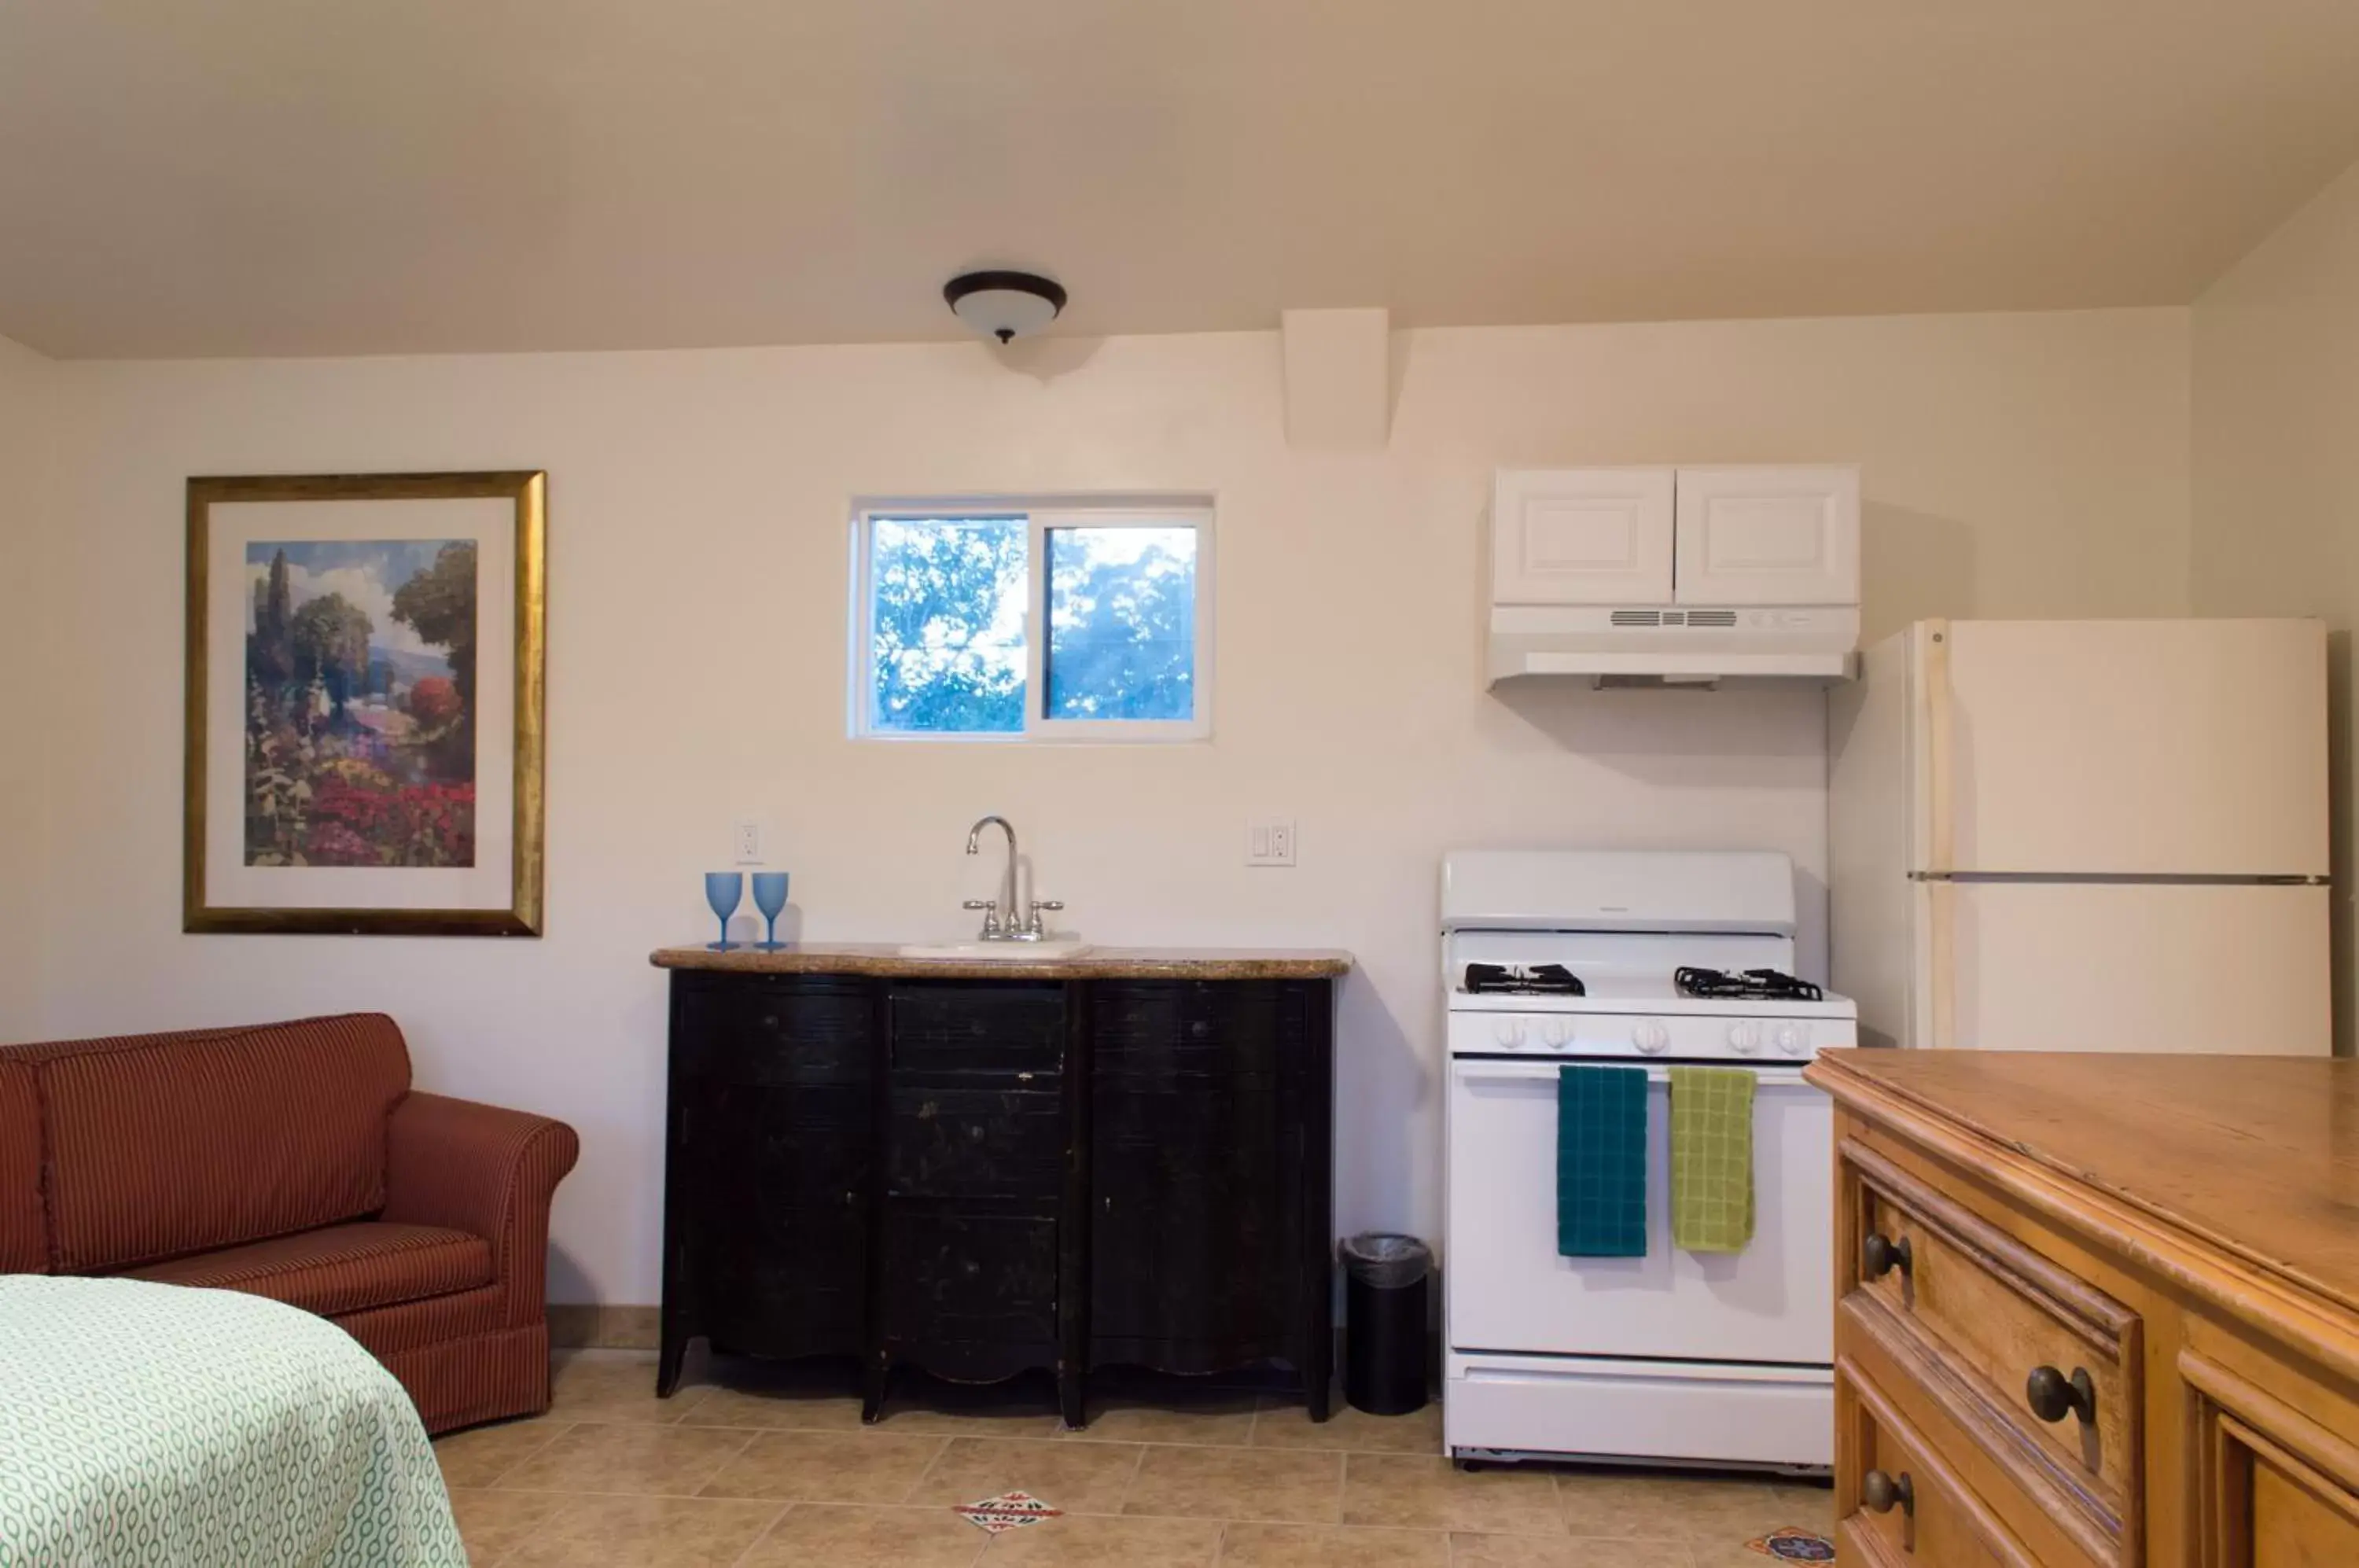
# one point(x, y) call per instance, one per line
point(722, 889)
point(770, 897)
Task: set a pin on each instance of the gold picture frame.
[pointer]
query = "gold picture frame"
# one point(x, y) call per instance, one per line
point(477, 874)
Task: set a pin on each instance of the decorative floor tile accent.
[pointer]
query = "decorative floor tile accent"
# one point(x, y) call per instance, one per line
point(1791, 1545)
point(1009, 1510)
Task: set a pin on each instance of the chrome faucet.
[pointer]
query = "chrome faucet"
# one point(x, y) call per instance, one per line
point(1000, 921)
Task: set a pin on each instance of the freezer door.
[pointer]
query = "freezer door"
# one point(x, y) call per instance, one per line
point(2237, 970)
point(2181, 747)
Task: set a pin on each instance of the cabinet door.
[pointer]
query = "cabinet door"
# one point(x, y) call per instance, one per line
point(1768, 535)
point(770, 1163)
point(778, 1182)
point(2274, 1487)
point(1196, 1235)
point(1581, 535)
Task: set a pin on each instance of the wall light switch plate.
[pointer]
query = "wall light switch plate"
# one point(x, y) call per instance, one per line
point(746, 841)
point(1269, 841)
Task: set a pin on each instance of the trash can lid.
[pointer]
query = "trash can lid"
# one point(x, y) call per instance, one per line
point(1385, 1260)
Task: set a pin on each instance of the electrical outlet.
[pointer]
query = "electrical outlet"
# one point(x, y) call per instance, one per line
point(1269, 841)
point(746, 840)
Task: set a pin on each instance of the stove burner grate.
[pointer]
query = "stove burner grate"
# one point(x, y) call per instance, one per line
point(1537, 980)
point(1752, 985)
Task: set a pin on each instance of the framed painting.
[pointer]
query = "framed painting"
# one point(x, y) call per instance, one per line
point(366, 678)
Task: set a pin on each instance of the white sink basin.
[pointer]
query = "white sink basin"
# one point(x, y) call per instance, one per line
point(1000, 951)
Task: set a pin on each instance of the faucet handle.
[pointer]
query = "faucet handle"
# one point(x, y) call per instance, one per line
point(1033, 926)
point(990, 907)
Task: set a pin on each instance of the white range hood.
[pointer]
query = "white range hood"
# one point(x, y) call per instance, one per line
point(1672, 645)
point(1675, 576)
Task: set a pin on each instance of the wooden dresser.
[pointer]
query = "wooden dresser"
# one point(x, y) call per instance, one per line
point(2095, 1311)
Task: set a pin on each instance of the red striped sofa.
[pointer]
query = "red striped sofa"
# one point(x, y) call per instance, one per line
point(293, 1161)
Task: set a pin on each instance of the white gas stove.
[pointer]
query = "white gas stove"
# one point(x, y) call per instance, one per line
point(1642, 960)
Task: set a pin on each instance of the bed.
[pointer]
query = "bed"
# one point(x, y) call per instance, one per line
point(156, 1423)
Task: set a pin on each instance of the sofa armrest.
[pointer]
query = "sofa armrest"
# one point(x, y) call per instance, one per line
point(486, 1170)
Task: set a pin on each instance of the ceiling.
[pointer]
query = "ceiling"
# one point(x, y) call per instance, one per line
point(287, 177)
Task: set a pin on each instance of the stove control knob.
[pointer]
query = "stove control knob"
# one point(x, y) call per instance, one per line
point(1793, 1039)
point(1509, 1033)
point(1744, 1037)
point(1650, 1037)
point(1557, 1033)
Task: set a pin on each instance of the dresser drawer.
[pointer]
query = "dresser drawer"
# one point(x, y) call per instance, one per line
point(945, 1030)
point(966, 1143)
point(1900, 1503)
point(2040, 1369)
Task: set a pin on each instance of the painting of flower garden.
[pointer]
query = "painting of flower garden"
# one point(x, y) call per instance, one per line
point(360, 704)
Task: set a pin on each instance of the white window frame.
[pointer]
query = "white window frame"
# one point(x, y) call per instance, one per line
point(1041, 515)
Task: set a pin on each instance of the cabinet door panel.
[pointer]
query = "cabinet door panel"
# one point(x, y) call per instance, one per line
point(1768, 535)
point(1578, 535)
point(963, 1278)
point(1197, 1231)
point(2274, 1486)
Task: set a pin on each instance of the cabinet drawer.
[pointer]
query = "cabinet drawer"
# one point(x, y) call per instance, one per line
point(996, 1027)
point(951, 1143)
point(954, 1278)
point(1167, 1031)
point(2040, 1369)
point(773, 1029)
point(1899, 1501)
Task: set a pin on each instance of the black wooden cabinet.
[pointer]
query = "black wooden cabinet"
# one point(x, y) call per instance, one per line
point(980, 1177)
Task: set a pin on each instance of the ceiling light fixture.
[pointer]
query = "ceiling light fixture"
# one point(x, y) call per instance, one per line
point(1005, 306)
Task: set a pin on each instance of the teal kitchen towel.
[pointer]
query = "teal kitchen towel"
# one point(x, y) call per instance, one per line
point(1601, 1162)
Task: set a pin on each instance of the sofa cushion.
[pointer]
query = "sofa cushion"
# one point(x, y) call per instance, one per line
point(24, 1229)
point(166, 1146)
point(340, 1268)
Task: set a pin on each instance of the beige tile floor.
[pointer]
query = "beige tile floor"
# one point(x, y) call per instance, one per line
point(779, 1470)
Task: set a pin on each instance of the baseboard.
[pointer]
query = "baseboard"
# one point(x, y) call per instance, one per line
point(595, 1327)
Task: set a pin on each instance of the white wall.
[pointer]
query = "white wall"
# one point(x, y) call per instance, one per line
point(2276, 472)
point(27, 424)
point(2015, 464)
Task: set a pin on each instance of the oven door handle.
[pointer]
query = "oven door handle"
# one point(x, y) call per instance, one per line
point(1546, 1071)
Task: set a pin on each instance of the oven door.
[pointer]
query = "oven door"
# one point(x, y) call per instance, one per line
point(1509, 1291)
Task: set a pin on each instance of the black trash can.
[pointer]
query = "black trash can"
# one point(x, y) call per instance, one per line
point(1387, 1281)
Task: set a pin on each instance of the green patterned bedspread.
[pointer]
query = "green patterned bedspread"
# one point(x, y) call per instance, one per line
point(147, 1423)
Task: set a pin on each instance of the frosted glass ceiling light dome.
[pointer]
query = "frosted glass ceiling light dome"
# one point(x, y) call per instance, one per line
point(1005, 306)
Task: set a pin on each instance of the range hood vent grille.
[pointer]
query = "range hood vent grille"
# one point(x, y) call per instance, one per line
point(1637, 617)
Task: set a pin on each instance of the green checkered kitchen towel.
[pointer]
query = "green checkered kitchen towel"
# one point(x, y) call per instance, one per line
point(1712, 1158)
point(1601, 1162)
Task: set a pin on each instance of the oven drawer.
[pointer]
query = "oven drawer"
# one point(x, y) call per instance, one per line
point(2042, 1369)
point(1509, 1291)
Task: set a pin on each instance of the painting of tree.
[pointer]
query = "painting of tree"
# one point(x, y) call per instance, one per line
point(360, 698)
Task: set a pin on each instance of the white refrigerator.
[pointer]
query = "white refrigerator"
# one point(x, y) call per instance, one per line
point(2085, 835)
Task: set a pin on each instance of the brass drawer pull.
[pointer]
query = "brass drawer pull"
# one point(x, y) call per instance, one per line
point(1878, 1492)
point(2052, 1396)
point(1879, 1256)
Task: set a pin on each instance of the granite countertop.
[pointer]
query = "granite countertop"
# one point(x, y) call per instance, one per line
point(1096, 963)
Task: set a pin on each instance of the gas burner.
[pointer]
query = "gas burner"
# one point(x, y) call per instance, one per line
point(1537, 980)
point(1753, 986)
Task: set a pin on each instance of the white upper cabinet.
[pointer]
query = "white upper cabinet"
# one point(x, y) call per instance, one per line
point(1767, 535)
point(1581, 535)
